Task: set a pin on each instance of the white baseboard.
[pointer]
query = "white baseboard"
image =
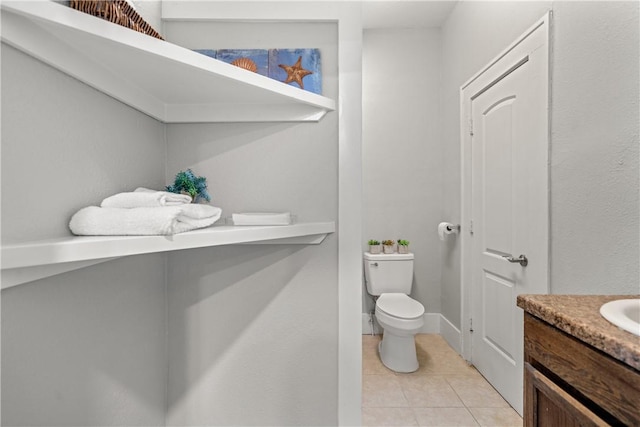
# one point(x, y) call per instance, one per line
point(451, 334)
point(431, 324)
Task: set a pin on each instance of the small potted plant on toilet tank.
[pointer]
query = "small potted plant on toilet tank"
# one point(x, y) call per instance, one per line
point(374, 246)
point(403, 246)
point(388, 246)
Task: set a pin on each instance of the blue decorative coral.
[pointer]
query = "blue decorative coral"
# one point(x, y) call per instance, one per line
point(187, 182)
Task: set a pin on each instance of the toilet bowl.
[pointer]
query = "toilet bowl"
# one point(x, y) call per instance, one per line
point(400, 317)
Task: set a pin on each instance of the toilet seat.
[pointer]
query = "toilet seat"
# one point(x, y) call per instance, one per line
point(399, 314)
point(400, 306)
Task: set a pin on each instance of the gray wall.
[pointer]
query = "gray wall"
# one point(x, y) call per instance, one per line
point(256, 327)
point(402, 150)
point(594, 141)
point(151, 12)
point(249, 325)
point(594, 148)
point(85, 347)
point(66, 146)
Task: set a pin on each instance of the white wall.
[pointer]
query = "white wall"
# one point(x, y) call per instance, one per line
point(85, 347)
point(402, 150)
point(252, 330)
point(594, 141)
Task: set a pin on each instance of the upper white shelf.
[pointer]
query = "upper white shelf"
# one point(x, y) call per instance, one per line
point(29, 261)
point(163, 80)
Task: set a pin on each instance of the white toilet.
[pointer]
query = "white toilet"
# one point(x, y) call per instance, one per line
point(389, 277)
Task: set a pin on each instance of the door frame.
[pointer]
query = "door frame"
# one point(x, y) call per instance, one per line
point(489, 71)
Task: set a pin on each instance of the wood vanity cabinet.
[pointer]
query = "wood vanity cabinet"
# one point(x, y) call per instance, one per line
point(570, 383)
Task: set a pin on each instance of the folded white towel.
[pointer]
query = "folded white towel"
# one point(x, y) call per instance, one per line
point(95, 221)
point(198, 211)
point(194, 216)
point(145, 198)
point(259, 218)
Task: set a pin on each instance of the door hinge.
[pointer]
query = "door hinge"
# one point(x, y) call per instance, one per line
point(471, 325)
point(471, 227)
point(471, 127)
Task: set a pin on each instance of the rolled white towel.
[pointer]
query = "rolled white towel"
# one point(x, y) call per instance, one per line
point(96, 221)
point(145, 198)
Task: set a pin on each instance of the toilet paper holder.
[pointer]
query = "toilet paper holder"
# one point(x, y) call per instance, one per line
point(446, 228)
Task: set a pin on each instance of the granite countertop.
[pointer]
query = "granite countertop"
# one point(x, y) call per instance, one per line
point(579, 316)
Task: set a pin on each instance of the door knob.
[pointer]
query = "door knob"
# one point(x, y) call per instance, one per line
point(522, 260)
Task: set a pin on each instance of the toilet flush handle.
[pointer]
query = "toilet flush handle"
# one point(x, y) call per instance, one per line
point(375, 264)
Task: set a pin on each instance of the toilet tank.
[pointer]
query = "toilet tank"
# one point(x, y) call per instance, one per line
point(386, 273)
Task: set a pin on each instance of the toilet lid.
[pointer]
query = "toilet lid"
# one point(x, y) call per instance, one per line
point(400, 305)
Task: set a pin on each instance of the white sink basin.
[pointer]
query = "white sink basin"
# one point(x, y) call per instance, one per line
point(624, 313)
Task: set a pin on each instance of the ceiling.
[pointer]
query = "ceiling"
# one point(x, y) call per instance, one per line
point(405, 13)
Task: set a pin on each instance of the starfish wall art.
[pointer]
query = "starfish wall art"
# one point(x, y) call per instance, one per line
point(297, 67)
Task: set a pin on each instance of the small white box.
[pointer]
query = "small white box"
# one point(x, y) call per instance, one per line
point(262, 218)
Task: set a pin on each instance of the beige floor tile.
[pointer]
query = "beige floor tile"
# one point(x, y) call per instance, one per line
point(444, 417)
point(435, 356)
point(371, 363)
point(428, 392)
point(382, 391)
point(445, 391)
point(439, 362)
point(433, 342)
point(399, 417)
point(370, 342)
point(476, 392)
point(497, 417)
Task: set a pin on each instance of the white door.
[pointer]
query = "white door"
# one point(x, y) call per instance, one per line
point(507, 105)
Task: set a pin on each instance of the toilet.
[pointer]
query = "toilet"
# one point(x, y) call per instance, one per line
point(389, 277)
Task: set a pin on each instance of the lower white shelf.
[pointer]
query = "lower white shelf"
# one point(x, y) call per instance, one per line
point(26, 262)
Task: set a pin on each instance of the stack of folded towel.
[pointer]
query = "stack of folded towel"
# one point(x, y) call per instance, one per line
point(143, 212)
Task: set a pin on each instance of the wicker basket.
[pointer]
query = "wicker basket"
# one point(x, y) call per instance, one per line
point(117, 11)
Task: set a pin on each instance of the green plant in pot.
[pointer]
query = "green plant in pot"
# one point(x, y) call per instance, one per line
point(374, 246)
point(388, 246)
point(403, 246)
point(186, 182)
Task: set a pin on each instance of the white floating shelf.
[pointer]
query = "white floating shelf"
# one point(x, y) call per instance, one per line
point(29, 261)
point(163, 80)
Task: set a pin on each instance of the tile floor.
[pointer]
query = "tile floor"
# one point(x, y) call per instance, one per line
point(445, 391)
